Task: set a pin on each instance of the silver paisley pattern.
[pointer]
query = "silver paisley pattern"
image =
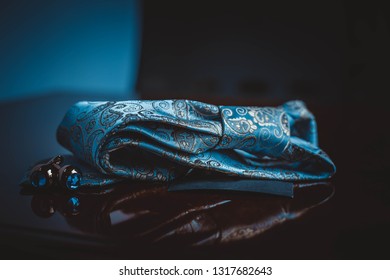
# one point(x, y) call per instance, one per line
point(158, 140)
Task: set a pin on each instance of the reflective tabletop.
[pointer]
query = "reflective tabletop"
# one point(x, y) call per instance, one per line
point(347, 217)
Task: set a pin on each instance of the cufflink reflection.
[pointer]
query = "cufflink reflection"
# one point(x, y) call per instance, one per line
point(144, 213)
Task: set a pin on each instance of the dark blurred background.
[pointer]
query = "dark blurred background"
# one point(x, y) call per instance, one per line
point(243, 50)
point(72, 47)
point(195, 49)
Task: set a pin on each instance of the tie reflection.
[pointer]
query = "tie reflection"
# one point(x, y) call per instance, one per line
point(147, 213)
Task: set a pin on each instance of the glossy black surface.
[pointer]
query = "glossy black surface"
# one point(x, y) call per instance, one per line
point(351, 218)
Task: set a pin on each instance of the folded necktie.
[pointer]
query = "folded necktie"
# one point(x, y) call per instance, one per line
point(159, 140)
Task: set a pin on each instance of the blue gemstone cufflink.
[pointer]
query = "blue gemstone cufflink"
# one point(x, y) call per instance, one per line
point(70, 177)
point(49, 174)
point(45, 175)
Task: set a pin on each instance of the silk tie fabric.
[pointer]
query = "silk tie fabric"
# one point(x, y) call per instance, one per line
point(159, 140)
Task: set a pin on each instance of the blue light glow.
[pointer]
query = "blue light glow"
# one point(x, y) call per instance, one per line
point(76, 46)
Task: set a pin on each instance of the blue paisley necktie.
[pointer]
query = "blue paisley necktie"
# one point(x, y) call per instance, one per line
point(161, 140)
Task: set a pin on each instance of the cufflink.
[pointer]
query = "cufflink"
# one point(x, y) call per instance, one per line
point(45, 175)
point(69, 177)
